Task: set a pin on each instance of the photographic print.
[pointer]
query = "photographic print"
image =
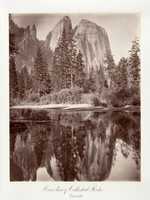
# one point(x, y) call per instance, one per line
point(74, 97)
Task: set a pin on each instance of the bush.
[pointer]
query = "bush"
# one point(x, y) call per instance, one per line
point(95, 101)
point(72, 95)
point(136, 100)
point(125, 97)
point(14, 101)
point(33, 97)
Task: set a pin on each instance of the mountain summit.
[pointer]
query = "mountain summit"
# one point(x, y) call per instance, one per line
point(53, 36)
point(91, 39)
point(93, 42)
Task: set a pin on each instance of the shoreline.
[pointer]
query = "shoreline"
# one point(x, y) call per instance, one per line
point(73, 107)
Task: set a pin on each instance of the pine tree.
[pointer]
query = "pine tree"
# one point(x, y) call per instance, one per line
point(110, 69)
point(60, 69)
point(72, 67)
point(134, 66)
point(121, 81)
point(79, 76)
point(28, 81)
point(91, 82)
point(41, 77)
point(21, 83)
point(68, 67)
point(25, 83)
point(13, 73)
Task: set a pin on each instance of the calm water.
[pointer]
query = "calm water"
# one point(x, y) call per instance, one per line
point(68, 146)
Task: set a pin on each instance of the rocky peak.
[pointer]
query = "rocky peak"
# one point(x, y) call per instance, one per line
point(33, 32)
point(91, 39)
point(30, 32)
point(27, 32)
point(27, 43)
point(86, 22)
point(93, 42)
point(53, 37)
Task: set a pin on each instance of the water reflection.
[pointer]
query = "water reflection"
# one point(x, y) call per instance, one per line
point(83, 146)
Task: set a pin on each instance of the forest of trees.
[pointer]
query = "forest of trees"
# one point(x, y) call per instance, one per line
point(122, 80)
point(68, 67)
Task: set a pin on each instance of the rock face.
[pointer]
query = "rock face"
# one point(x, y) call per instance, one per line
point(27, 44)
point(93, 42)
point(91, 39)
point(53, 37)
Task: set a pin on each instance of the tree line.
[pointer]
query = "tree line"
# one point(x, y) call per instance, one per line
point(68, 71)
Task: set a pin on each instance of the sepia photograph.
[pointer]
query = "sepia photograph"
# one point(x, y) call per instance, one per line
point(74, 88)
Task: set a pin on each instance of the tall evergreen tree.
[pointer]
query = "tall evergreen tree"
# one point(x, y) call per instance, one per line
point(134, 66)
point(80, 75)
point(121, 79)
point(25, 82)
point(68, 67)
point(61, 63)
point(41, 77)
point(21, 83)
point(90, 84)
point(28, 81)
point(12, 65)
point(110, 69)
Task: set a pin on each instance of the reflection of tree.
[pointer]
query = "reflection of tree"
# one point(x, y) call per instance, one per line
point(28, 148)
point(24, 157)
point(40, 134)
point(128, 130)
point(67, 153)
point(82, 149)
point(16, 174)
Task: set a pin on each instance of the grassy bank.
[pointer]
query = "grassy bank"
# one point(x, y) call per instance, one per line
point(78, 96)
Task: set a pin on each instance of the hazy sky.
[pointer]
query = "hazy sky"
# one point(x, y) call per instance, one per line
point(121, 28)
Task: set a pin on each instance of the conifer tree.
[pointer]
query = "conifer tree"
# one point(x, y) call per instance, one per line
point(134, 66)
point(110, 68)
point(68, 67)
point(121, 81)
point(25, 83)
point(41, 77)
point(12, 65)
point(61, 63)
point(80, 74)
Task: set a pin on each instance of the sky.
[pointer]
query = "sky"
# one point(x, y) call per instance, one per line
point(122, 29)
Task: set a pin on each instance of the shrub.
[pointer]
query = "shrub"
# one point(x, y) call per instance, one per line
point(33, 97)
point(125, 97)
point(135, 100)
point(14, 101)
point(72, 95)
point(95, 101)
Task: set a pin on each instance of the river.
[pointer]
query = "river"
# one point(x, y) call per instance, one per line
point(75, 146)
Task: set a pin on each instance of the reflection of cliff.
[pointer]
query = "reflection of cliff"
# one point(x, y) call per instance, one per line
point(24, 157)
point(82, 152)
point(98, 153)
point(72, 146)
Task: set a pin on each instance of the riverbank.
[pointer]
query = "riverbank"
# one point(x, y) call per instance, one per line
point(73, 107)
